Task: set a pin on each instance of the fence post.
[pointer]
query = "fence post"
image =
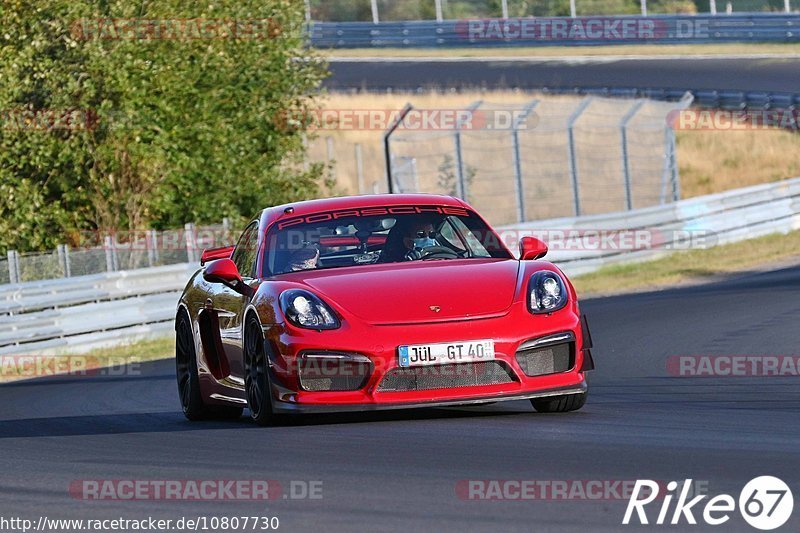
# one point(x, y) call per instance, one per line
point(374, 5)
point(461, 186)
point(63, 259)
point(676, 179)
point(154, 246)
point(191, 245)
point(13, 267)
point(787, 6)
point(149, 239)
point(712, 5)
point(504, 5)
point(644, 8)
point(387, 149)
point(626, 170)
point(573, 162)
point(461, 180)
point(518, 182)
point(109, 246)
point(439, 13)
point(572, 10)
point(670, 174)
point(359, 169)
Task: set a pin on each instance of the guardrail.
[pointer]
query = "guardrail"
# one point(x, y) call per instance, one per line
point(90, 311)
point(77, 314)
point(559, 31)
point(729, 100)
point(707, 220)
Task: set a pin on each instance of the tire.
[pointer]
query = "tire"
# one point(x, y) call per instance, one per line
point(256, 375)
point(559, 404)
point(189, 380)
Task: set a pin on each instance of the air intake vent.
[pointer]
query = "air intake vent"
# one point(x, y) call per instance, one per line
point(545, 360)
point(445, 376)
point(334, 372)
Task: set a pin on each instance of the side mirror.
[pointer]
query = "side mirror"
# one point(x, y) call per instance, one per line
point(223, 271)
point(531, 248)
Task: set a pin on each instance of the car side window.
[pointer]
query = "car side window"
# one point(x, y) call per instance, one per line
point(449, 236)
point(244, 256)
point(478, 249)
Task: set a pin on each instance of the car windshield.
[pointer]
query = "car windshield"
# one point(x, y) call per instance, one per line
point(358, 237)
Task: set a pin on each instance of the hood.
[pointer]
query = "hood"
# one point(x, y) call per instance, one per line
point(403, 293)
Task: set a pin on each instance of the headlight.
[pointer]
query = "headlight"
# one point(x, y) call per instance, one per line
point(306, 310)
point(546, 292)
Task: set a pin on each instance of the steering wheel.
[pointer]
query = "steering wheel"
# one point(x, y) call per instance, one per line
point(438, 252)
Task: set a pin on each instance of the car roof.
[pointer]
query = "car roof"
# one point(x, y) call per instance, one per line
point(308, 207)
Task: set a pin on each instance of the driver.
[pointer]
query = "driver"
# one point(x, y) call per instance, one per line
point(306, 258)
point(417, 237)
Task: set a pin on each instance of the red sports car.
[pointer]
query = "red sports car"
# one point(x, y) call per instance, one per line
point(376, 302)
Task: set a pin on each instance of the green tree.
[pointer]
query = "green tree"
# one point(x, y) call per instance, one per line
point(187, 127)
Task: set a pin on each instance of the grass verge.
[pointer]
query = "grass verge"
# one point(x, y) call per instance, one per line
point(572, 51)
point(691, 266)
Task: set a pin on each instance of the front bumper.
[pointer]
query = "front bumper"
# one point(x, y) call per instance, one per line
point(379, 344)
point(290, 407)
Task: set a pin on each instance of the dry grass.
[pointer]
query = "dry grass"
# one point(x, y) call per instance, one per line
point(709, 161)
point(567, 51)
point(714, 161)
point(693, 265)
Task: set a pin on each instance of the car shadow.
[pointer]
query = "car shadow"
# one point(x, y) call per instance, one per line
point(162, 422)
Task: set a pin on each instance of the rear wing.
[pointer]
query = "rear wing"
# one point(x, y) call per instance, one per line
point(212, 254)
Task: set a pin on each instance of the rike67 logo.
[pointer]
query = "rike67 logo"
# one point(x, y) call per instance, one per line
point(765, 503)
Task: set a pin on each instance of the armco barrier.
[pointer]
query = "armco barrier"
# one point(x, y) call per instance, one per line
point(729, 100)
point(77, 314)
point(559, 31)
point(84, 312)
point(720, 218)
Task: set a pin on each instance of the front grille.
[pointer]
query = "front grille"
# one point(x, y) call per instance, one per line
point(546, 360)
point(445, 376)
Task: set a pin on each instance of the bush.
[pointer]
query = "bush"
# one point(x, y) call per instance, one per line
point(167, 131)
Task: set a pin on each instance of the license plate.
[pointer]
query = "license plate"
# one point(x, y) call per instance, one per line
point(445, 353)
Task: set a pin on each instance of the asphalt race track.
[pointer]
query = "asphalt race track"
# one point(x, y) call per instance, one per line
point(399, 471)
point(735, 74)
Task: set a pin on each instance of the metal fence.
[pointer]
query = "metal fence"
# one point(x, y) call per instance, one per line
point(97, 253)
point(559, 156)
point(559, 31)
